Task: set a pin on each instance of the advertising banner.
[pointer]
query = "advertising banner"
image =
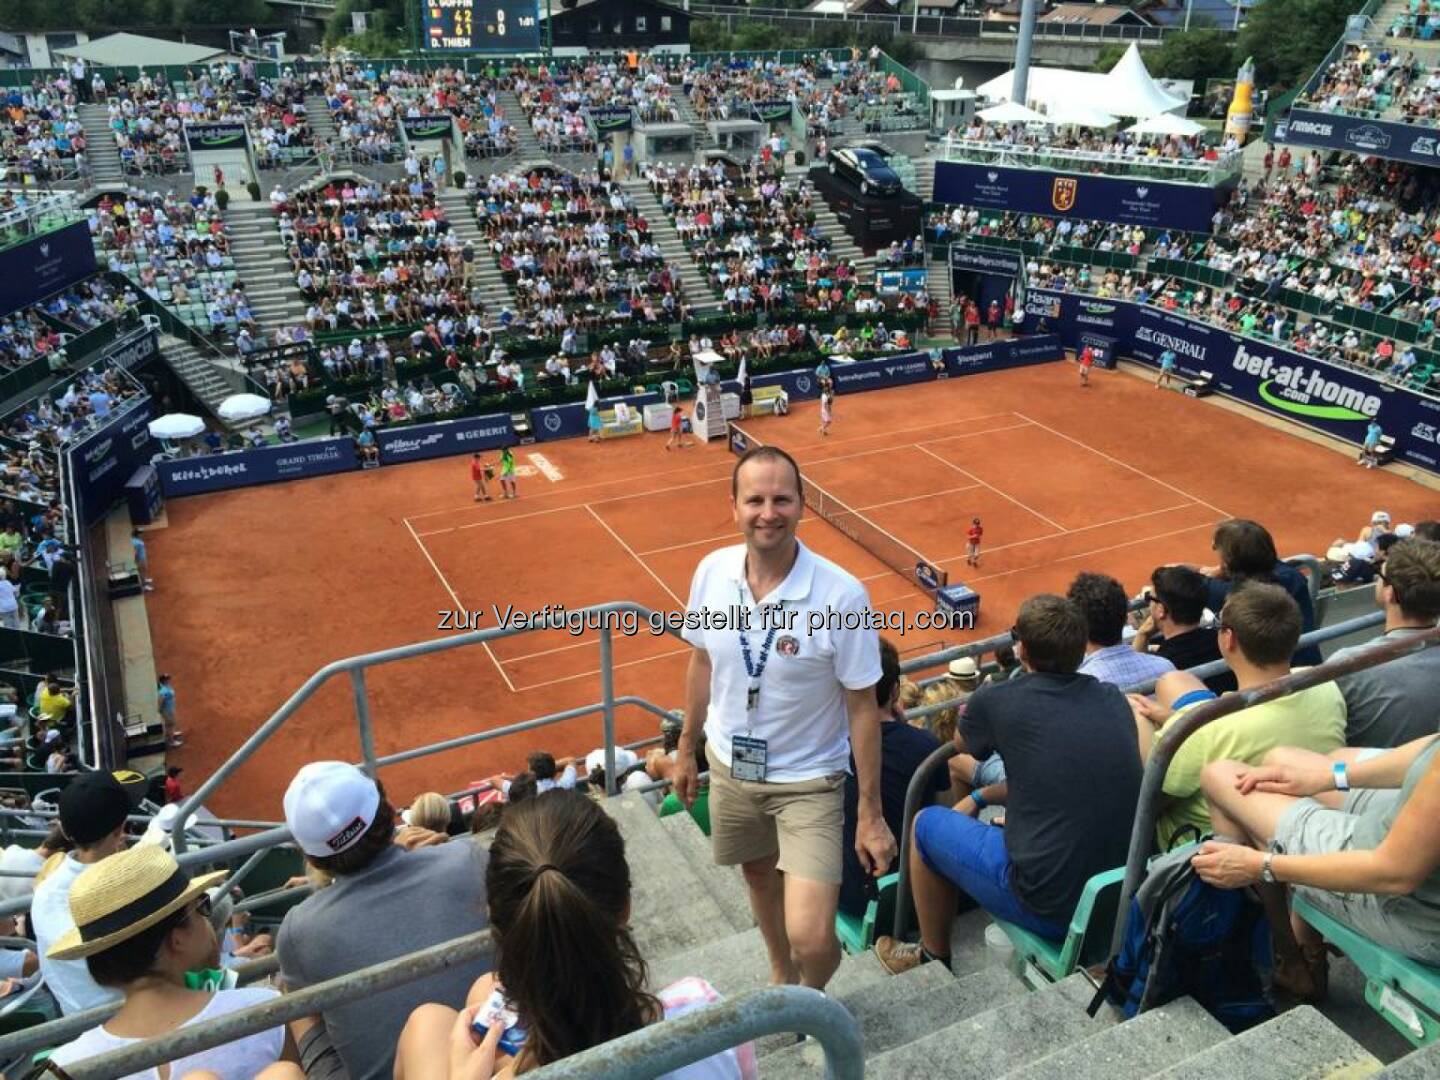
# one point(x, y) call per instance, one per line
point(1303, 389)
point(1155, 203)
point(263, 465)
point(33, 270)
point(426, 128)
point(771, 110)
point(131, 351)
point(106, 459)
point(420, 442)
point(884, 371)
point(1002, 354)
point(980, 260)
point(203, 137)
point(611, 118)
point(1359, 135)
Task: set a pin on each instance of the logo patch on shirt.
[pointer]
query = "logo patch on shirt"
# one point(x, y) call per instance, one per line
point(786, 645)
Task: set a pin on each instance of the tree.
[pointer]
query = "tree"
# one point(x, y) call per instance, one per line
point(1198, 53)
point(1289, 38)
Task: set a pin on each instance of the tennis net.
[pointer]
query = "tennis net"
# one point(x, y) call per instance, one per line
point(894, 553)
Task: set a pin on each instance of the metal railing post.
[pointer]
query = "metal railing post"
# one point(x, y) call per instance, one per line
point(362, 717)
point(607, 704)
point(918, 789)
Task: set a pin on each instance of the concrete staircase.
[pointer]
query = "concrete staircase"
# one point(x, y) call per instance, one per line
point(688, 115)
point(317, 112)
point(978, 1023)
point(207, 379)
point(527, 145)
point(925, 179)
point(697, 289)
point(486, 284)
point(937, 284)
point(842, 245)
point(261, 264)
point(100, 149)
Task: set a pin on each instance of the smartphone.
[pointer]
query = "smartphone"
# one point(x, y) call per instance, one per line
point(497, 1008)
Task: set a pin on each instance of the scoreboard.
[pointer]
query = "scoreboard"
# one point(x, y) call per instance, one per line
point(481, 25)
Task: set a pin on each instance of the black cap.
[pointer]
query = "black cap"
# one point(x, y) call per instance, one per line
point(93, 806)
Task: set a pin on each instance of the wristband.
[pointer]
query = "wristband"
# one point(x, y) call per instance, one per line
point(978, 800)
point(1342, 778)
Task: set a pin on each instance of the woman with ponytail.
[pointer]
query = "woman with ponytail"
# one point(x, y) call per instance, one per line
point(569, 973)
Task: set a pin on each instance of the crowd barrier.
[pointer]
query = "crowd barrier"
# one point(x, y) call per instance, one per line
point(420, 442)
point(1338, 401)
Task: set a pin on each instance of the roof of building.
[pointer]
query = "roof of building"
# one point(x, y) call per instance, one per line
point(1090, 14)
point(115, 50)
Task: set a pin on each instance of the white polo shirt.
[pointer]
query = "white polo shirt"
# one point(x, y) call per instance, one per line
point(801, 713)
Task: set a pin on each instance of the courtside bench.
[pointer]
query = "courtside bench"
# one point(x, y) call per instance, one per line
point(769, 400)
point(612, 427)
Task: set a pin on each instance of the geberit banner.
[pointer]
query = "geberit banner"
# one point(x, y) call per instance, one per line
point(1337, 400)
point(1157, 203)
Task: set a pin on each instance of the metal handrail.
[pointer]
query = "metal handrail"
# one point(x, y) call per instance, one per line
point(355, 667)
point(1152, 782)
point(1197, 171)
point(665, 1047)
point(921, 780)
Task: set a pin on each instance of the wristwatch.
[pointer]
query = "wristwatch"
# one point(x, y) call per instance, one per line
point(1267, 872)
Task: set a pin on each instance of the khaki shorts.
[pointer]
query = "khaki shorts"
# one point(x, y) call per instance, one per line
point(803, 821)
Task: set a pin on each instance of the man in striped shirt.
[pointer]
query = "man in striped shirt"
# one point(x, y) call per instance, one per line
point(1107, 656)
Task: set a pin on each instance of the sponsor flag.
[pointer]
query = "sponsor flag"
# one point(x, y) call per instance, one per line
point(592, 398)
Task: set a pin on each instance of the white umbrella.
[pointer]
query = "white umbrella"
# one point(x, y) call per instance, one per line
point(1080, 115)
point(1011, 112)
point(1166, 124)
point(239, 407)
point(176, 426)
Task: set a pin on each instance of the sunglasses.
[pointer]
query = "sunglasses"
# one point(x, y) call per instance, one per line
point(204, 907)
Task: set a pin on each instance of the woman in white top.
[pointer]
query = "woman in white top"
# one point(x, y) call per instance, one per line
point(140, 925)
point(570, 975)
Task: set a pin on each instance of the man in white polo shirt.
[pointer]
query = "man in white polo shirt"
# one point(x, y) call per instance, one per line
point(783, 703)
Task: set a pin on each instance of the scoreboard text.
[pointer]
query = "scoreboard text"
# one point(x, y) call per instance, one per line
point(481, 25)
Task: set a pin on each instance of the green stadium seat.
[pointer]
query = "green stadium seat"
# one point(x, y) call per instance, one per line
point(1057, 959)
point(857, 932)
point(1404, 991)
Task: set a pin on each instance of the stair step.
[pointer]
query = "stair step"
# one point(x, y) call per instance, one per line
point(1296, 1045)
point(898, 1010)
point(726, 885)
point(738, 962)
point(670, 907)
point(1022, 1030)
point(1421, 1065)
point(1133, 1049)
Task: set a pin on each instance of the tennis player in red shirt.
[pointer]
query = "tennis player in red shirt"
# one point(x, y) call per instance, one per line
point(972, 542)
point(1087, 361)
point(479, 473)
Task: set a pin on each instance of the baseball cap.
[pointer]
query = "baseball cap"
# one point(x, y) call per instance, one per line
point(1378, 516)
point(964, 668)
point(1404, 532)
point(624, 759)
point(1362, 550)
point(329, 806)
point(93, 806)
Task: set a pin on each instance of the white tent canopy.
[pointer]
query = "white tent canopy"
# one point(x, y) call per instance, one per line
point(1009, 112)
point(1126, 90)
point(1079, 114)
point(1166, 124)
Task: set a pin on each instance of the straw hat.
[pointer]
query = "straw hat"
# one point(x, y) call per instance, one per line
point(124, 895)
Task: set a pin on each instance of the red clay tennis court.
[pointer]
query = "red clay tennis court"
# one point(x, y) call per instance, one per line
point(260, 587)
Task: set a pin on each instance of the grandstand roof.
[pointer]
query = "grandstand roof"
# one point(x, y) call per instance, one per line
point(114, 50)
point(1126, 90)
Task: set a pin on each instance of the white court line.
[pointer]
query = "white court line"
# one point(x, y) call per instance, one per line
point(653, 474)
point(1127, 465)
point(808, 521)
point(1053, 536)
point(573, 506)
point(588, 674)
point(1049, 521)
point(811, 465)
point(455, 599)
point(631, 552)
point(1065, 558)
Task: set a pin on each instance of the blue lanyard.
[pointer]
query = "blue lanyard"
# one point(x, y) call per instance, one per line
point(753, 669)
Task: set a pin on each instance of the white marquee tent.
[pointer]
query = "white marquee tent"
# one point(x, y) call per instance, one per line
point(1127, 89)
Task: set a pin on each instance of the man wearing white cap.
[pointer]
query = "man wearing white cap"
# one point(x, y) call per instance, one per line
point(385, 902)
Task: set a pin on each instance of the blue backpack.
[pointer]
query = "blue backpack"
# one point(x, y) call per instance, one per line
point(1184, 938)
